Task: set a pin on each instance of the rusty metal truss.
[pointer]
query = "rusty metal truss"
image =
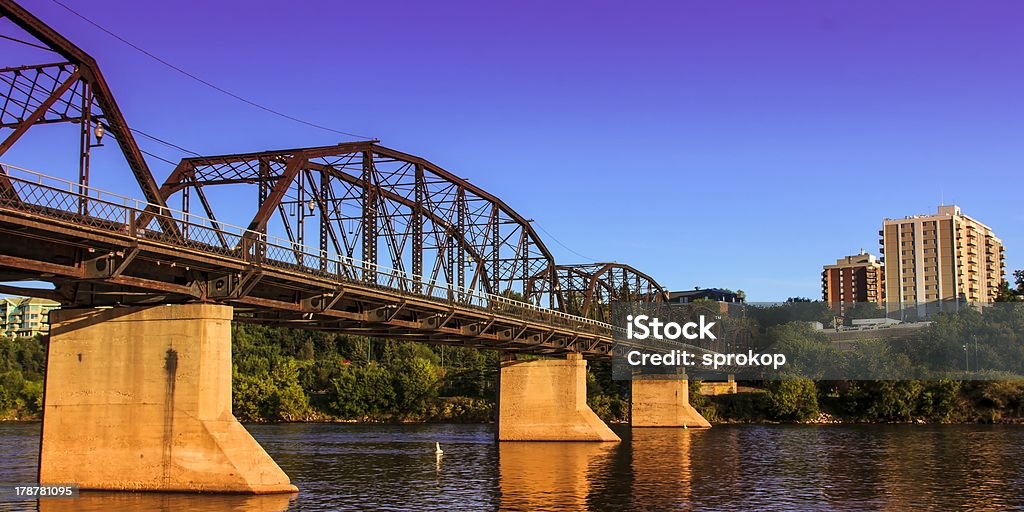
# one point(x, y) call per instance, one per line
point(115, 256)
point(359, 201)
point(588, 289)
point(354, 237)
point(69, 91)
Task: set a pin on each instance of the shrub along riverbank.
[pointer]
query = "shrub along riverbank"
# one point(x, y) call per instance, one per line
point(886, 401)
point(292, 375)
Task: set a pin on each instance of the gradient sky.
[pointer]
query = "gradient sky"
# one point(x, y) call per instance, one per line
point(714, 143)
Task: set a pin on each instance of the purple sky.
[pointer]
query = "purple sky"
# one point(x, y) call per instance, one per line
point(728, 144)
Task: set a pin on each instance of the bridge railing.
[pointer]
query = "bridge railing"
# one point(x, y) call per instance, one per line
point(75, 204)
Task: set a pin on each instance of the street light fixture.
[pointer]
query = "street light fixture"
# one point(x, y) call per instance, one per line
point(99, 132)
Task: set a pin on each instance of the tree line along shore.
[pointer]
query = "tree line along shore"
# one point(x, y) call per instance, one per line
point(284, 375)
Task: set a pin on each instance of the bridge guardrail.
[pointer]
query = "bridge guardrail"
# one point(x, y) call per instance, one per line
point(68, 201)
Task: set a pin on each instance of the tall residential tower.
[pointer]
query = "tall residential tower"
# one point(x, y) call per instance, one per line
point(853, 279)
point(935, 260)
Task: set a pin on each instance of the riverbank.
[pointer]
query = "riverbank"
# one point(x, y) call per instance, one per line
point(805, 403)
point(282, 376)
point(869, 402)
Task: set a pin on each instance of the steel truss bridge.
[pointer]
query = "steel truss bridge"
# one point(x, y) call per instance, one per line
point(354, 237)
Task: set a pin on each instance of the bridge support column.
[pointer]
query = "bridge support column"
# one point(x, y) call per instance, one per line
point(663, 401)
point(139, 399)
point(546, 400)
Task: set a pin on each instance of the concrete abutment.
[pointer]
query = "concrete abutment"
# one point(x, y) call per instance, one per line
point(139, 399)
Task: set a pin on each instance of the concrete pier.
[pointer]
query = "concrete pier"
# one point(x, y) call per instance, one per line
point(546, 400)
point(139, 399)
point(663, 401)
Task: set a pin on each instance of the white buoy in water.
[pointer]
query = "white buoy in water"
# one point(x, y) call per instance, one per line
point(437, 449)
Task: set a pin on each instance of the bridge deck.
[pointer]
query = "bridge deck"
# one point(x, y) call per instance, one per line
point(104, 258)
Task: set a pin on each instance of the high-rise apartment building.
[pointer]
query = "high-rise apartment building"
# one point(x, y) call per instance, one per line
point(932, 261)
point(857, 278)
point(22, 316)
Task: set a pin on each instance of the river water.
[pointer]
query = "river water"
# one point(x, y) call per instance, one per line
point(786, 467)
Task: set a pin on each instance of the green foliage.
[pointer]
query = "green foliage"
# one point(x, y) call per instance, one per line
point(885, 400)
point(792, 399)
point(697, 399)
point(795, 309)
point(364, 392)
point(470, 373)
point(273, 395)
point(24, 355)
point(1012, 293)
point(22, 365)
point(940, 401)
point(375, 391)
point(606, 397)
point(874, 359)
point(464, 409)
point(610, 408)
point(807, 351)
point(251, 397)
point(969, 340)
point(995, 400)
point(862, 310)
point(291, 375)
point(344, 396)
point(741, 408)
point(416, 384)
point(984, 345)
point(288, 398)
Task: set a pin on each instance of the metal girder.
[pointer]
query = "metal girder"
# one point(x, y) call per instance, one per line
point(584, 289)
point(397, 213)
point(39, 111)
point(87, 100)
point(431, 244)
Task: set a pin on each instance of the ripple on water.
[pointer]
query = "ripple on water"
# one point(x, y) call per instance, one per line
point(781, 467)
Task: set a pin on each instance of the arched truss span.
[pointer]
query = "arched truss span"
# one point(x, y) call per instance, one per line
point(585, 289)
point(384, 208)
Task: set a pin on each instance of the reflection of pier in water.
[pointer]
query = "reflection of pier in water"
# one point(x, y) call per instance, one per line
point(662, 470)
point(549, 475)
point(167, 502)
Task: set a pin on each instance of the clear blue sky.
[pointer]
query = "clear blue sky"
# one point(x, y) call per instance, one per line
point(728, 144)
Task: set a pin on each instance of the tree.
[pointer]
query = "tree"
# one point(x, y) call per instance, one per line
point(273, 395)
point(344, 396)
point(1012, 294)
point(808, 352)
point(288, 400)
point(22, 364)
point(885, 400)
point(360, 392)
point(793, 399)
point(795, 309)
point(865, 310)
point(416, 384)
